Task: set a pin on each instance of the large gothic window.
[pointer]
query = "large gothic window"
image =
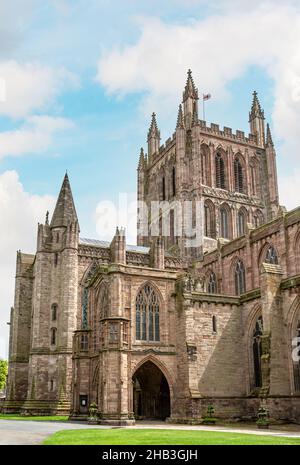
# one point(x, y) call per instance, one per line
point(212, 283)
point(257, 352)
point(85, 299)
point(296, 365)
point(224, 223)
point(240, 278)
point(238, 176)
point(220, 172)
point(147, 315)
point(241, 222)
point(271, 256)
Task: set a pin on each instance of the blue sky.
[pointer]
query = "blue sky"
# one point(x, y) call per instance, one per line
point(83, 77)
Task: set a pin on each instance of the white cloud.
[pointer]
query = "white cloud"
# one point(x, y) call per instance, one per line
point(34, 136)
point(20, 213)
point(289, 189)
point(31, 87)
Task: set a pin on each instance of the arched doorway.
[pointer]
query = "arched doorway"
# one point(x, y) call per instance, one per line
point(151, 393)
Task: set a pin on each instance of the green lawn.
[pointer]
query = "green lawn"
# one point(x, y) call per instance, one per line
point(35, 418)
point(161, 437)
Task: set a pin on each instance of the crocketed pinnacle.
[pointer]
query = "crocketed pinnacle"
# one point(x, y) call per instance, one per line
point(190, 89)
point(180, 121)
point(256, 108)
point(153, 130)
point(65, 211)
point(141, 159)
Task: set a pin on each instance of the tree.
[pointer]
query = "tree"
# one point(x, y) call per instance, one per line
point(3, 373)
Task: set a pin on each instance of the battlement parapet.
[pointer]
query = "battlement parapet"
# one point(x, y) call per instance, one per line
point(227, 133)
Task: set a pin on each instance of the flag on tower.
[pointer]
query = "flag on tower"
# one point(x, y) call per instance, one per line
point(206, 96)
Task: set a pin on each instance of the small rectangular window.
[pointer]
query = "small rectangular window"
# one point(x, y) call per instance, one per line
point(84, 342)
point(214, 324)
point(113, 332)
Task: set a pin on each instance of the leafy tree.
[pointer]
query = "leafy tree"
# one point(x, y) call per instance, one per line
point(3, 373)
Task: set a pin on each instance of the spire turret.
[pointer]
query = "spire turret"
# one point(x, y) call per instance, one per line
point(153, 137)
point(256, 120)
point(153, 130)
point(65, 212)
point(190, 89)
point(142, 160)
point(190, 101)
point(256, 108)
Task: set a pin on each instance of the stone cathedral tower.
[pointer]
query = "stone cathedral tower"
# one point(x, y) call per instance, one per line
point(227, 180)
point(48, 281)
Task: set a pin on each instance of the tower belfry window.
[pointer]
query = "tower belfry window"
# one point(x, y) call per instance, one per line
point(241, 223)
point(224, 220)
point(220, 172)
point(238, 176)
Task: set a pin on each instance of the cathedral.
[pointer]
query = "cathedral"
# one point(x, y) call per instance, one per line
point(189, 317)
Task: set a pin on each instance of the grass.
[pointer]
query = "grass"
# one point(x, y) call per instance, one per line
point(33, 418)
point(162, 437)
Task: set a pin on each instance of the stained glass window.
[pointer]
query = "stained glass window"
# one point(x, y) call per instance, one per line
point(257, 351)
point(147, 315)
point(212, 283)
point(240, 278)
point(271, 256)
point(85, 299)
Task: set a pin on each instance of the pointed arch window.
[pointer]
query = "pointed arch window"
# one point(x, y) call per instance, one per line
point(209, 220)
point(241, 222)
point(212, 283)
point(147, 315)
point(271, 256)
point(54, 312)
point(220, 172)
point(257, 352)
point(224, 223)
point(258, 218)
point(172, 226)
point(163, 188)
point(214, 324)
point(240, 278)
point(238, 176)
point(296, 365)
point(205, 165)
point(53, 332)
point(173, 181)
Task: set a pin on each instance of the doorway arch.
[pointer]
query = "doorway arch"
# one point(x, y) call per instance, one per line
point(151, 393)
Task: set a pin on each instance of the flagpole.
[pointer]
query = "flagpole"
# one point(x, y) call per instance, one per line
point(203, 109)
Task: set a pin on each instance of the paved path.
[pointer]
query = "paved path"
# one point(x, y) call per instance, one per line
point(23, 432)
point(295, 433)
